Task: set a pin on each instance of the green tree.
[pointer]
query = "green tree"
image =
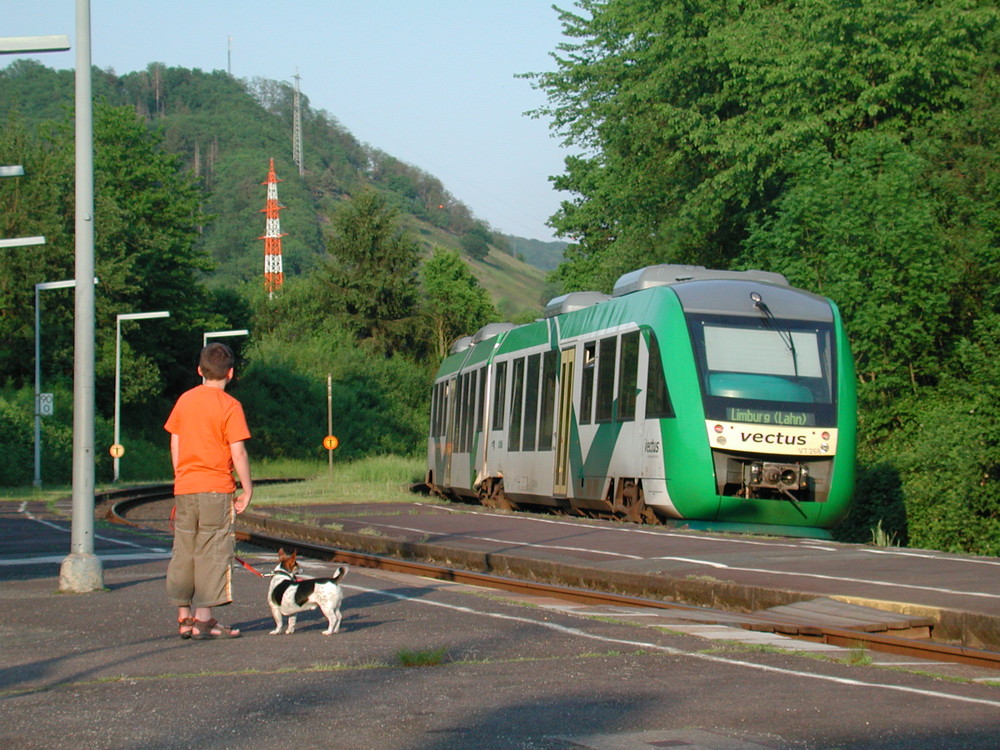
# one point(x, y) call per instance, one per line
point(455, 304)
point(687, 114)
point(370, 275)
point(34, 205)
point(146, 213)
point(863, 230)
point(476, 242)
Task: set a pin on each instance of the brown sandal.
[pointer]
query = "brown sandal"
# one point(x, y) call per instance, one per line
point(184, 627)
point(202, 630)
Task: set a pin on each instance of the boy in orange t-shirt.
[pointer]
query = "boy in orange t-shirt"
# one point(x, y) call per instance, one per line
point(207, 432)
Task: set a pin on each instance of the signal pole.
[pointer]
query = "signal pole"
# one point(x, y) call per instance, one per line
point(273, 275)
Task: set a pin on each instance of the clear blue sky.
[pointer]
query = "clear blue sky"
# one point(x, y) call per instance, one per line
point(431, 82)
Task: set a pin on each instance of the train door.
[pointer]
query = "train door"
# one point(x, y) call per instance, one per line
point(565, 416)
point(449, 433)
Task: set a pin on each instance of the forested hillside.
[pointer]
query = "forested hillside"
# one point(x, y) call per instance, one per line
point(850, 146)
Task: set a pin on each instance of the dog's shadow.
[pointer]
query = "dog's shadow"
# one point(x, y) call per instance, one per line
point(312, 620)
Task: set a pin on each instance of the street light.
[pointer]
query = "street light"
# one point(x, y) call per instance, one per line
point(116, 449)
point(219, 334)
point(38, 370)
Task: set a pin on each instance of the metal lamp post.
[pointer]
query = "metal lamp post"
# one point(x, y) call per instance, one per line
point(218, 334)
point(116, 450)
point(38, 371)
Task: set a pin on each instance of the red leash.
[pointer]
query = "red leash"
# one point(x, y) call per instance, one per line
point(252, 570)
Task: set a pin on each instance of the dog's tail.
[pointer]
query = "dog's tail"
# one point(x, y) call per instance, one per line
point(336, 576)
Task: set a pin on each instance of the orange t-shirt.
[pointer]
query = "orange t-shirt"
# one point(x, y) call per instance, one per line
point(206, 421)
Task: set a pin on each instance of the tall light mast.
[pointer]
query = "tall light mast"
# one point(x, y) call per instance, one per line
point(297, 128)
point(273, 275)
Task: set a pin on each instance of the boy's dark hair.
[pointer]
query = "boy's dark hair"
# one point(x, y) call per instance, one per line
point(215, 361)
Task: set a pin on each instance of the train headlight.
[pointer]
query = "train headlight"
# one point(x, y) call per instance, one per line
point(776, 476)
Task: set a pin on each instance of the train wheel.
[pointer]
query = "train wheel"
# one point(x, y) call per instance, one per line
point(491, 495)
point(632, 504)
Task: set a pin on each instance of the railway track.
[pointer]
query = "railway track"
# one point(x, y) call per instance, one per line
point(117, 505)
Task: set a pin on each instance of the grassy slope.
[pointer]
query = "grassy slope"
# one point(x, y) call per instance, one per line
point(515, 286)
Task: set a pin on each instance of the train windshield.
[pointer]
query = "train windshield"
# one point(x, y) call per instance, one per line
point(764, 369)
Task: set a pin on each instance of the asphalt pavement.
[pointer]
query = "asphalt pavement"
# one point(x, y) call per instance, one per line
point(417, 665)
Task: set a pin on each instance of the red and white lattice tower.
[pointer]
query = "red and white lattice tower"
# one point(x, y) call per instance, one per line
point(273, 275)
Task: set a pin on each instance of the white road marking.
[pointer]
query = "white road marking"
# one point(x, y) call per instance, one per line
point(115, 557)
point(838, 578)
point(66, 530)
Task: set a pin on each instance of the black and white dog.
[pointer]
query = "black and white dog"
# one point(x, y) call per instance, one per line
point(288, 595)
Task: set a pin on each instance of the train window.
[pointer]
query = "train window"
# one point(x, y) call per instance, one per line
point(550, 363)
point(764, 370)
point(441, 402)
point(628, 372)
point(587, 382)
point(468, 405)
point(434, 407)
point(463, 419)
point(531, 403)
point(470, 409)
point(606, 379)
point(657, 398)
point(449, 408)
point(481, 399)
point(499, 393)
point(516, 400)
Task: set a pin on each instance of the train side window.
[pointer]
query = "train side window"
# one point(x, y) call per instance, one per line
point(480, 398)
point(531, 403)
point(442, 402)
point(606, 379)
point(628, 372)
point(516, 400)
point(499, 394)
point(587, 382)
point(434, 413)
point(550, 364)
point(468, 407)
point(463, 413)
point(657, 397)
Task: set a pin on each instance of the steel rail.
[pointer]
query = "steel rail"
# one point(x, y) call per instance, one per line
point(123, 501)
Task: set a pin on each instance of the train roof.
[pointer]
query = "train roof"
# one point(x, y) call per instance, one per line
point(666, 274)
point(460, 345)
point(490, 330)
point(572, 302)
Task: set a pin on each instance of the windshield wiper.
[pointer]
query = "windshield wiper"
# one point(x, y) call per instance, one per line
point(768, 320)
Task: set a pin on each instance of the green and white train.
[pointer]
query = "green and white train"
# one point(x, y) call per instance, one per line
point(714, 399)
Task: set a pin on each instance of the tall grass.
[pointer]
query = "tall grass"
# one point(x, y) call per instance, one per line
point(367, 480)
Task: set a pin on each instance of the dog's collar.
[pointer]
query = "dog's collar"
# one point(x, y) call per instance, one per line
point(280, 571)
